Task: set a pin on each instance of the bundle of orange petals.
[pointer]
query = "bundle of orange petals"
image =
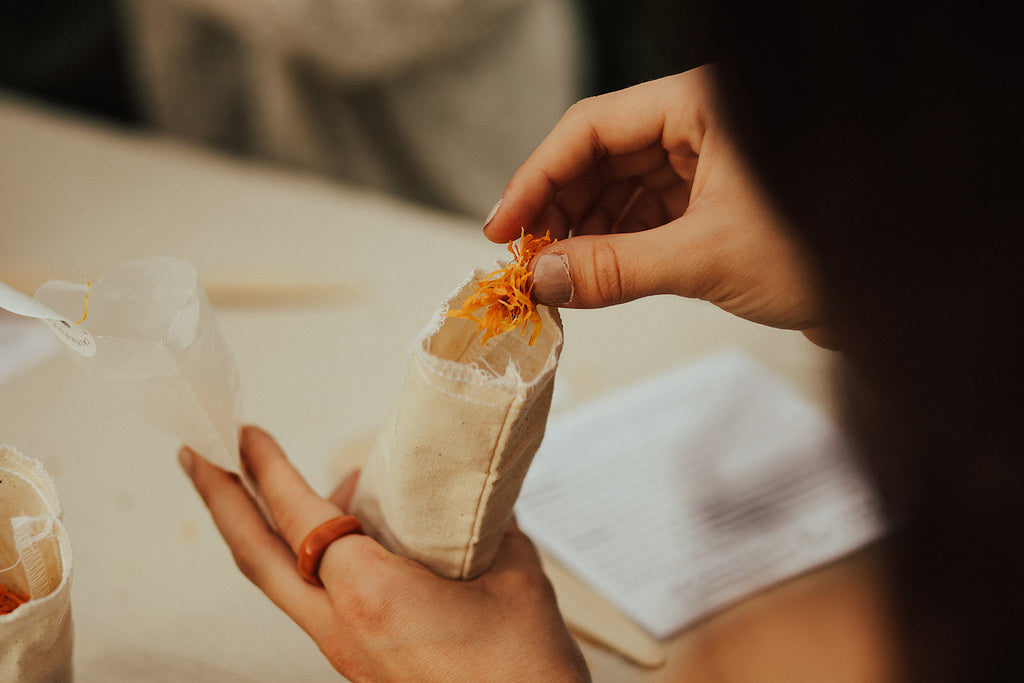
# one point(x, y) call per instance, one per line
point(505, 294)
point(10, 599)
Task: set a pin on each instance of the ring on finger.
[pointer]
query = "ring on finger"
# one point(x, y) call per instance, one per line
point(314, 545)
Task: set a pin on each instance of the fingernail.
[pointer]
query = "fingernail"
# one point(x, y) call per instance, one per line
point(187, 459)
point(490, 215)
point(552, 284)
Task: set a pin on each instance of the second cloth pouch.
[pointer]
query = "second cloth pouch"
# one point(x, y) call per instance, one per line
point(440, 484)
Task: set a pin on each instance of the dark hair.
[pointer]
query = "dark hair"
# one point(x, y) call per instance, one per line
point(891, 140)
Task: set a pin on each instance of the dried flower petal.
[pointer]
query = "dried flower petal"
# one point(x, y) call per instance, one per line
point(505, 294)
point(11, 599)
point(85, 313)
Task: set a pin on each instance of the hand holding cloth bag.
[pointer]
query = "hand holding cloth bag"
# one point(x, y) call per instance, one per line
point(442, 479)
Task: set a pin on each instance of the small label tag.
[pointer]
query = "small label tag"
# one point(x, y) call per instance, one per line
point(77, 339)
point(72, 334)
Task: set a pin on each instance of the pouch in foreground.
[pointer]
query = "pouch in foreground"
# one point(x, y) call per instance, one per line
point(35, 574)
point(440, 484)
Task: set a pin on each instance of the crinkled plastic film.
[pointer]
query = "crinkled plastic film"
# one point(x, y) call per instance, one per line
point(159, 351)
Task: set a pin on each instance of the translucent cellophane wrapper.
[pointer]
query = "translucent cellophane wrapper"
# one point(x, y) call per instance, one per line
point(441, 481)
point(159, 351)
point(35, 559)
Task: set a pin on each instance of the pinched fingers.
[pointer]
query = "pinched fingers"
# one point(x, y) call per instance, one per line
point(650, 132)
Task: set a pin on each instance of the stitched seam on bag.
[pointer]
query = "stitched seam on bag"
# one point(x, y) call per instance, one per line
point(467, 557)
point(32, 561)
point(464, 371)
point(465, 399)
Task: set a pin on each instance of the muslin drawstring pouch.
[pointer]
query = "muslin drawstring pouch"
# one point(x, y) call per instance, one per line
point(151, 341)
point(35, 560)
point(440, 483)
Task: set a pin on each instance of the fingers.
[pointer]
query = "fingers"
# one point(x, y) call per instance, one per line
point(295, 507)
point(261, 555)
point(592, 271)
point(746, 268)
point(626, 134)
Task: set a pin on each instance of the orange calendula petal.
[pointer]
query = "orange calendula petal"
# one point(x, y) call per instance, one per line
point(85, 313)
point(505, 294)
point(11, 599)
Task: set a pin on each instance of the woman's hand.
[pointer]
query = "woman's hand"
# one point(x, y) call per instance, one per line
point(380, 616)
point(656, 201)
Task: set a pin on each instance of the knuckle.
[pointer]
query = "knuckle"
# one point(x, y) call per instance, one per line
point(287, 523)
point(581, 108)
point(365, 596)
point(605, 282)
point(248, 564)
point(580, 118)
point(372, 611)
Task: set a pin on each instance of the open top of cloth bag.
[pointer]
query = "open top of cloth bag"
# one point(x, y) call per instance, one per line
point(35, 560)
point(442, 479)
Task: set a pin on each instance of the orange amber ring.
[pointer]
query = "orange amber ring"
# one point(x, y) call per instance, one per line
point(315, 544)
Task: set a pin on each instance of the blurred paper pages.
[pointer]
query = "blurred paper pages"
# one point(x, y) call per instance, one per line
point(687, 492)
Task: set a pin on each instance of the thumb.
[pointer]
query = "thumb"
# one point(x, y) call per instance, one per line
point(593, 271)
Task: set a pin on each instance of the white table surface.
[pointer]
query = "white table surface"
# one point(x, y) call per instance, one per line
point(346, 280)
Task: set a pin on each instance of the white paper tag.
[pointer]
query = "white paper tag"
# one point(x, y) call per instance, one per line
point(71, 333)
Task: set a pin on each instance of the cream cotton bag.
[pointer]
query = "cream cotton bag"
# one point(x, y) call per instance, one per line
point(35, 559)
point(440, 483)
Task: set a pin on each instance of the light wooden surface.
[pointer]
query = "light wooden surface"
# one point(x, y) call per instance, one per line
point(319, 290)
